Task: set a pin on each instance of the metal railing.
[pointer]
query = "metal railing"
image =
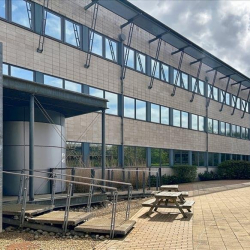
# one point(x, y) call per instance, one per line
point(23, 192)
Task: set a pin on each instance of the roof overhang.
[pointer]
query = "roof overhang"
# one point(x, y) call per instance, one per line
point(128, 11)
point(16, 92)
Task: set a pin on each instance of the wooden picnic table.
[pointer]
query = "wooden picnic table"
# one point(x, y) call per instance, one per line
point(173, 188)
point(169, 200)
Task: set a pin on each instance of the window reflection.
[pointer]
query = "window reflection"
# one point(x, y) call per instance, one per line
point(2, 8)
point(194, 85)
point(201, 123)
point(111, 50)
point(140, 110)
point(140, 62)
point(194, 122)
point(76, 87)
point(234, 134)
point(129, 107)
point(53, 26)
point(22, 73)
point(53, 81)
point(185, 80)
point(215, 93)
point(155, 66)
point(131, 57)
point(97, 44)
point(222, 128)
point(164, 73)
point(176, 118)
point(210, 125)
point(201, 87)
point(228, 132)
point(155, 113)
point(5, 69)
point(72, 32)
point(184, 120)
point(20, 13)
point(238, 103)
point(227, 98)
point(215, 127)
point(179, 78)
point(164, 115)
point(96, 92)
point(112, 104)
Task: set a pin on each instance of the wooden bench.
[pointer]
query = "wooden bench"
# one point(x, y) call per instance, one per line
point(184, 193)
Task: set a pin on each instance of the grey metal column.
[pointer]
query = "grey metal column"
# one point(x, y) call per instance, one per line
point(103, 145)
point(1, 133)
point(31, 148)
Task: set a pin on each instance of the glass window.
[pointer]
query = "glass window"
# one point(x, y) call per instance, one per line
point(243, 103)
point(228, 98)
point(164, 73)
point(155, 157)
point(201, 123)
point(5, 69)
point(210, 159)
point(20, 14)
point(141, 158)
point(22, 73)
point(112, 104)
point(184, 119)
point(140, 62)
point(233, 100)
point(140, 110)
point(184, 80)
point(179, 78)
point(112, 156)
point(201, 159)
point(96, 92)
point(110, 50)
point(194, 122)
point(210, 125)
point(238, 103)
point(228, 132)
point(155, 113)
point(129, 107)
point(201, 87)
point(243, 133)
point(176, 118)
point(177, 157)
point(215, 127)
point(73, 154)
point(215, 92)
point(72, 32)
point(53, 81)
point(209, 91)
point(155, 65)
point(216, 159)
point(222, 128)
point(131, 57)
point(195, 158)
point(129, 156)
point(234, 134)
point(53, 26)
point(164, 115)
point(2, 8)
point(247, 136)
point(194, 85)
point(164, 157)
point(95, 155)
point(73, 86)
point(222, 94)
point(184, 157)
point(238, 131)
point(97, 44)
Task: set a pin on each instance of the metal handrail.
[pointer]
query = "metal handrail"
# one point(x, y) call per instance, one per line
point(24, 201)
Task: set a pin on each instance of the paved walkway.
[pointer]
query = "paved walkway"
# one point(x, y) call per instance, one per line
point(221, 220)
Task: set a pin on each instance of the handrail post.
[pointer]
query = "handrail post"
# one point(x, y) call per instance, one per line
point(157, 181)
point(25, 191)
point(149, 179)
point(137, 179)
point(159, 176)
point(73, 172)
point(20, 187)
point(112, 228)
point(66, 214)
point(53, 191)
point(130, 189)
point(93, 176)
point(129, 177)
point(90, 196)
point(143, 182)
point(123, 178)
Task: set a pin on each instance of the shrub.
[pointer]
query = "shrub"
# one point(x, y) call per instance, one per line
point(185, 173)
point(234, 170)
point(207, 176)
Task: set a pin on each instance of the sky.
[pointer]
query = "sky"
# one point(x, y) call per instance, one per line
point(221, 27)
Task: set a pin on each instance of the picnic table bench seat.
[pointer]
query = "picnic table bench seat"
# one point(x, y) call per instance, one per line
point(186, 205)
point(184, 193)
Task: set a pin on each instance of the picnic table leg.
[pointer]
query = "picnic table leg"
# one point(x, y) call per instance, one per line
point(157, 205)
point(182, 199)
point(153, 206)
point(181, 210)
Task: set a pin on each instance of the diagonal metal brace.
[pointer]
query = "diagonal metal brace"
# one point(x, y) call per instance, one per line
point(130, 21)
point(157, 37)
point(235, 102)
point(212, 92)
point(247, 101)
point(180, 50)
point(196, 82)
point(178, 73)
point(90, 4)
point(224, 97)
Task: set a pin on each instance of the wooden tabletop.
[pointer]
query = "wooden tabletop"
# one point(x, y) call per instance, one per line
point(169, 187)
point(168, 195)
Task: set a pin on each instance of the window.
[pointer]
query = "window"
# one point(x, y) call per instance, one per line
point(72, 32)
point(194, 122)
point(210, 125)
point(238, 131)
point(179, 78)
point(164, 73)
point(131, 57)
point(155, 113)
point(110, 50)
point(176, 118)
point(155, 68)
point(210, 159)
point(234, 134)
point(140, 110)
point(112, 156)
point(53, 26)
point(215, 127)
point(97, 44)
point(184, 119)
point(222, 96)
point(201, 87)
point(180, 157)
point(247, 136)
point(129, 156)
point(184, 80)
point(22, 73)
point(73, 154)
point(215, 91)
point(112, 104)
point(222, 128)
point(228, 132)
point(19, 13)
point(201, 123)
point(95, 155)
point(201, 159)
point(155, 157)
point(164, 157)
point(96, 92)
point(2, 8)
point(53, 81)
point(140, 62)
point(233, 100)
point(129, 107)
point(141, 158)
point(73, 86)
point(5, 69)
point(238, 103)
point(243, 133)
point(164, 115)
point(195, 158)
point(228, 98)
point(210, 91)
point(243, 104)
point(194, 85)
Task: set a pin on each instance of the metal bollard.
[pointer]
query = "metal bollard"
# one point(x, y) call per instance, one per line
point(73, 172)
point(143, 182)
point(149, 179)
point(137, 179)
point(157, 181)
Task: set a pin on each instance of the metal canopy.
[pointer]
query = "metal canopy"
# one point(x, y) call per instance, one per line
point(126, 10)
point(16, 92)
